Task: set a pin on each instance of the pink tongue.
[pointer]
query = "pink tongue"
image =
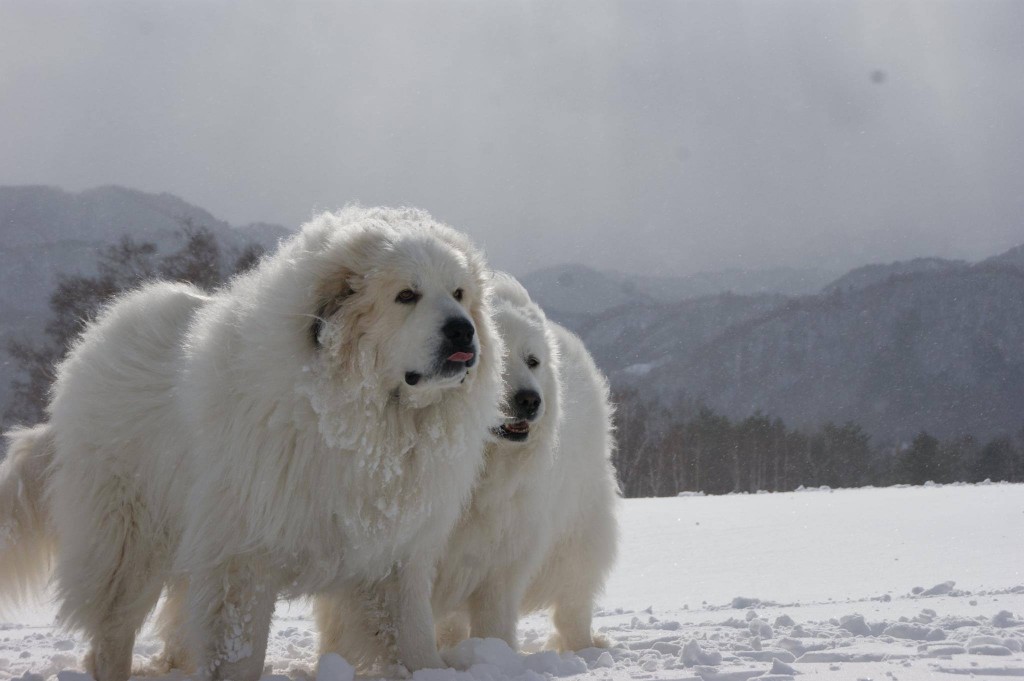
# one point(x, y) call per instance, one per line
point(460, 357)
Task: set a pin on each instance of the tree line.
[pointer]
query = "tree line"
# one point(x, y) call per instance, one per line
point(691, 448)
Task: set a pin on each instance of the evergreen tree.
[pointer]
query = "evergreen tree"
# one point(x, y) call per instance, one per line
point(996, 461)
point(920, 462)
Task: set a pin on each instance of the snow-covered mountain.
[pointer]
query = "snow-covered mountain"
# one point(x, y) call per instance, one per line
point(578, 289)
point(45, 232)
point(634, 337)
point(865, 276)
point(935, 347)
point(41, 215)
point(1013, 257)
point(937, 351)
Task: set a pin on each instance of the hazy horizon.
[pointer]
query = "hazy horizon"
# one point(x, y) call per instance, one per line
point(658, 137)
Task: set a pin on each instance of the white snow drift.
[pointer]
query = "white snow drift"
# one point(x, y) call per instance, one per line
point(814, 585)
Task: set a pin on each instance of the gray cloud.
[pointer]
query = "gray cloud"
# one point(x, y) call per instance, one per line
point(646, 136)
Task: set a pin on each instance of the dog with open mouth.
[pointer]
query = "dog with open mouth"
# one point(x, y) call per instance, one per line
point(540, 531)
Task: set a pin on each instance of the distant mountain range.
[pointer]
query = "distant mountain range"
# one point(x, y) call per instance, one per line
point(588, 291)
point(45, 231)
point(924, 344)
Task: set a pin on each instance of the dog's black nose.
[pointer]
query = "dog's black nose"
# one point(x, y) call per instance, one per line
point(459, 331)
point(527, 403)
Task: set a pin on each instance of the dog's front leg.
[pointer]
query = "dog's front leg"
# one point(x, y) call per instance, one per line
point(230, 608)
point(414, 618)
point(494, 609)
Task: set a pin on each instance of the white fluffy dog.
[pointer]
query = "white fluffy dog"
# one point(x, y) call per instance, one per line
point(540, 531)
point(316, 425)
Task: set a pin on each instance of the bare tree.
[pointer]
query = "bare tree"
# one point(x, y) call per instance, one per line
point(198, 261)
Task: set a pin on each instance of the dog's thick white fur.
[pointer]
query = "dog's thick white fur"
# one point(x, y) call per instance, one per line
point(541, 529)
point(316, 425)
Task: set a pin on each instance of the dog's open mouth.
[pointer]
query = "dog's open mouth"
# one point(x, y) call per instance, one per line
point(517, 431)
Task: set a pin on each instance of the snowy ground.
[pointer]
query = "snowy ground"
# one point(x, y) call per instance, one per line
point(851, 584)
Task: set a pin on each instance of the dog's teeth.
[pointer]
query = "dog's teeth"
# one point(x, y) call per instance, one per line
point(517, 427)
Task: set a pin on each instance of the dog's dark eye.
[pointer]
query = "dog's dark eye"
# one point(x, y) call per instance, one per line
point(532, 362)
point(407, 296)
point(457, 294)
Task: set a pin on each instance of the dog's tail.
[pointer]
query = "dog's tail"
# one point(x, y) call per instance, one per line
point(26, 535)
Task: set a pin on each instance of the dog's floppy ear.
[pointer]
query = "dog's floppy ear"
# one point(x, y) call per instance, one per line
point(349, 259)
point(331, 299)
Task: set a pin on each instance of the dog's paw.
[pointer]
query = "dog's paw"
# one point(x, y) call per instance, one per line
point(556, 642)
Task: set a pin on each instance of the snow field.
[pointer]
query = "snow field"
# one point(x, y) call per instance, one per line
point(883, 584)
point(815, 545)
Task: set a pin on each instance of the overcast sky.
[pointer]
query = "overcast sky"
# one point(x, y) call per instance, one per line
point(660, 137)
